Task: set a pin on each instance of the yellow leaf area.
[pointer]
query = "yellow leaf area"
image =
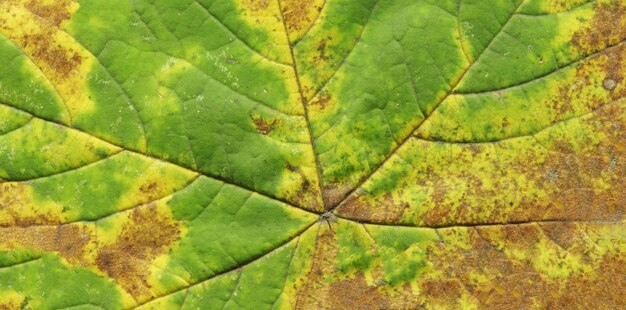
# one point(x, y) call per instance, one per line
point(323, 154)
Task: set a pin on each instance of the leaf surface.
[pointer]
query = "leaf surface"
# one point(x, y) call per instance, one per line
point(312, 154)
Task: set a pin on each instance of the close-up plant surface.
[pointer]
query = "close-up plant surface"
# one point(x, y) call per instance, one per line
point(336, 154)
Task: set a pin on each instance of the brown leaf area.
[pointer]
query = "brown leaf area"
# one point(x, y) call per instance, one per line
point(143, 238)
point(73, 242)
point(145, 235)
point(517, 283)
point(529, 266)
point(608, 27)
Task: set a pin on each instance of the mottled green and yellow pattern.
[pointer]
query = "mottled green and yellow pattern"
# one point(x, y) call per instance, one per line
point(319, 154)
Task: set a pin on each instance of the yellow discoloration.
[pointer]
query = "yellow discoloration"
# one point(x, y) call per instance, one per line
point(300, 16)
point(11, 300)
point(327, 68)
point(565, 172)
point(300, 264)
point(554, 6)
point(17, 207)
point(153, 182)
point(552, 271)
point(571, 92)
point(59, 145)
point(63, 60)
point(265, 15)
point(300, 182)
point(477, 267)
point(147, 183)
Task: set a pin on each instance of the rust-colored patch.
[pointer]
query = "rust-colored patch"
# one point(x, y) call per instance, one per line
point(148, 188)
point(265, 127)
point(354, 293)
point(256, 5)
point(71, 241)
point(334, 193)
point(514, 283)
point(151, 191)
point(607, 27)
point(57, 57)
point(321, 100)
point(357, 207)
point(439, 290)
point(143, 238)
point(55, 13)
point(311, 295)
point(299, 15)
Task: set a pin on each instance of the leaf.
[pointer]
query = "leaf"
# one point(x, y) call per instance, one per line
point(312, 154)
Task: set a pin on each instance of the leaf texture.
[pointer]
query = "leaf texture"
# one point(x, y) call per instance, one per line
point(204, 154)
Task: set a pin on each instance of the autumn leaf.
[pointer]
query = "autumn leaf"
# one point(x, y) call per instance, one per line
point(162, 154)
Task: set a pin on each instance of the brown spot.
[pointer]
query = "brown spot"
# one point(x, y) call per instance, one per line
point(264, 127)
point(322, 51)
point(605, 69)
point(145, 236)
point(607, 27)
point(55, 12)
point(562, 235)
point(148, 188)
point(142, 239)
point(298, 14)
point(41, 45)
point(306, 193)
point(291, 168)
point(321, 100)
point(356, 208)
point(479, 268)
point(609, 84)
